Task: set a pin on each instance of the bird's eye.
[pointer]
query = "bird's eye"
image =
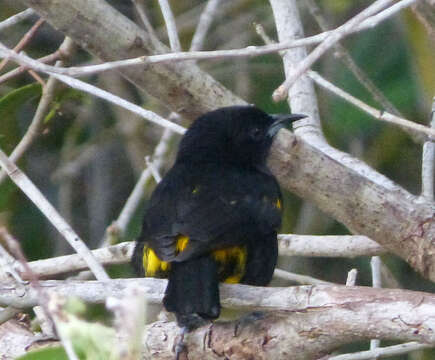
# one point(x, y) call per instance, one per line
point(255, 133)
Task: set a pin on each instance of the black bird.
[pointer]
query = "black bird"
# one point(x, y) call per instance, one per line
point(214, 217)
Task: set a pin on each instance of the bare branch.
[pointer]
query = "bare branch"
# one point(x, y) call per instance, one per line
point(300, 279)
point(318, 317)
point(382, 352)
point(289, 245)
point(381, 210)
point(281, 92)
point(343, 55)
point(154, 171)
point(140, 7)
point(428, 164)
point(32, 192)
point(171, 27)
point(80, 85)
point(11, 21)
point(302, 97)
point(24, 40)
point(21, 69)
point(424, 10)
point(120, 224)
point(328, 246)
point(375, 265)
point(351, 277)
point(414, 129)
point(204, 24)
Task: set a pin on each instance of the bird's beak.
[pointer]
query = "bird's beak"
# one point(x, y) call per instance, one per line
point(280, 120)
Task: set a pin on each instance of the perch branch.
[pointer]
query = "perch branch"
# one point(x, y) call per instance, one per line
point(318, 317)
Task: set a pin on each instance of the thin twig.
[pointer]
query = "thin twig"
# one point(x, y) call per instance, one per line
point(122, 252)
point(382, 352)
point(171, 27)
point(34, 129)
point(205, 21)
point(342, 54)
point(8, 262)
point(26, 185)
point(154, 171)
point(147, 114)
point(140, 7)
point(80, 85)
point(36, 77)
point(136, 195)
point(351, 277)
point(47, 268)
point(300, 279)
point(281, 92)
point(79, 156)
point(428, 164)
point(16, 18)
point(22, 69)
point(375, 265)
point(414, 129)
point(24, 40)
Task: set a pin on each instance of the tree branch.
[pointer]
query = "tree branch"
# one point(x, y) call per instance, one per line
point(11, 21)
point(186, 89)
point(312, 319)
point(282, 91)
point(289, 245)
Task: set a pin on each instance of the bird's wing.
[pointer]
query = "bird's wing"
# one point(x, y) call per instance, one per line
point(213, 208)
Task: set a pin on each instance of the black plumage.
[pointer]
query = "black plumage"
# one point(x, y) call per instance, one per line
point(215, 215)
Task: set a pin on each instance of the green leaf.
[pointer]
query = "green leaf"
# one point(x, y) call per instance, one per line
point(9, 104)
point(49, 353)
point(9, 129)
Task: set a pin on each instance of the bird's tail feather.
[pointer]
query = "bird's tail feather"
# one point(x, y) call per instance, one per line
point(193, 291)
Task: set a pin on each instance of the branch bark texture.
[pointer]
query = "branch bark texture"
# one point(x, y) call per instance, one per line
point(310, 320)
point(387, 214)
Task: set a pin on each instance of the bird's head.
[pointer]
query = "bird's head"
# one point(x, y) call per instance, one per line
point(240, 135)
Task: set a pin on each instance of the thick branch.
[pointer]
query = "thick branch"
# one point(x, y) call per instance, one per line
point(384, 212)
point(312, 319)
point(189, 91)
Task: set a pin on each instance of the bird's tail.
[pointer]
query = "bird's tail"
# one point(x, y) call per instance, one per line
point(193, 291)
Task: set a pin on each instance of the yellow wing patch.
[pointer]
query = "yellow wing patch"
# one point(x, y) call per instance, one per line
point(278, 204)
point(231, 263)
point(182, 241)
point(153, 266)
